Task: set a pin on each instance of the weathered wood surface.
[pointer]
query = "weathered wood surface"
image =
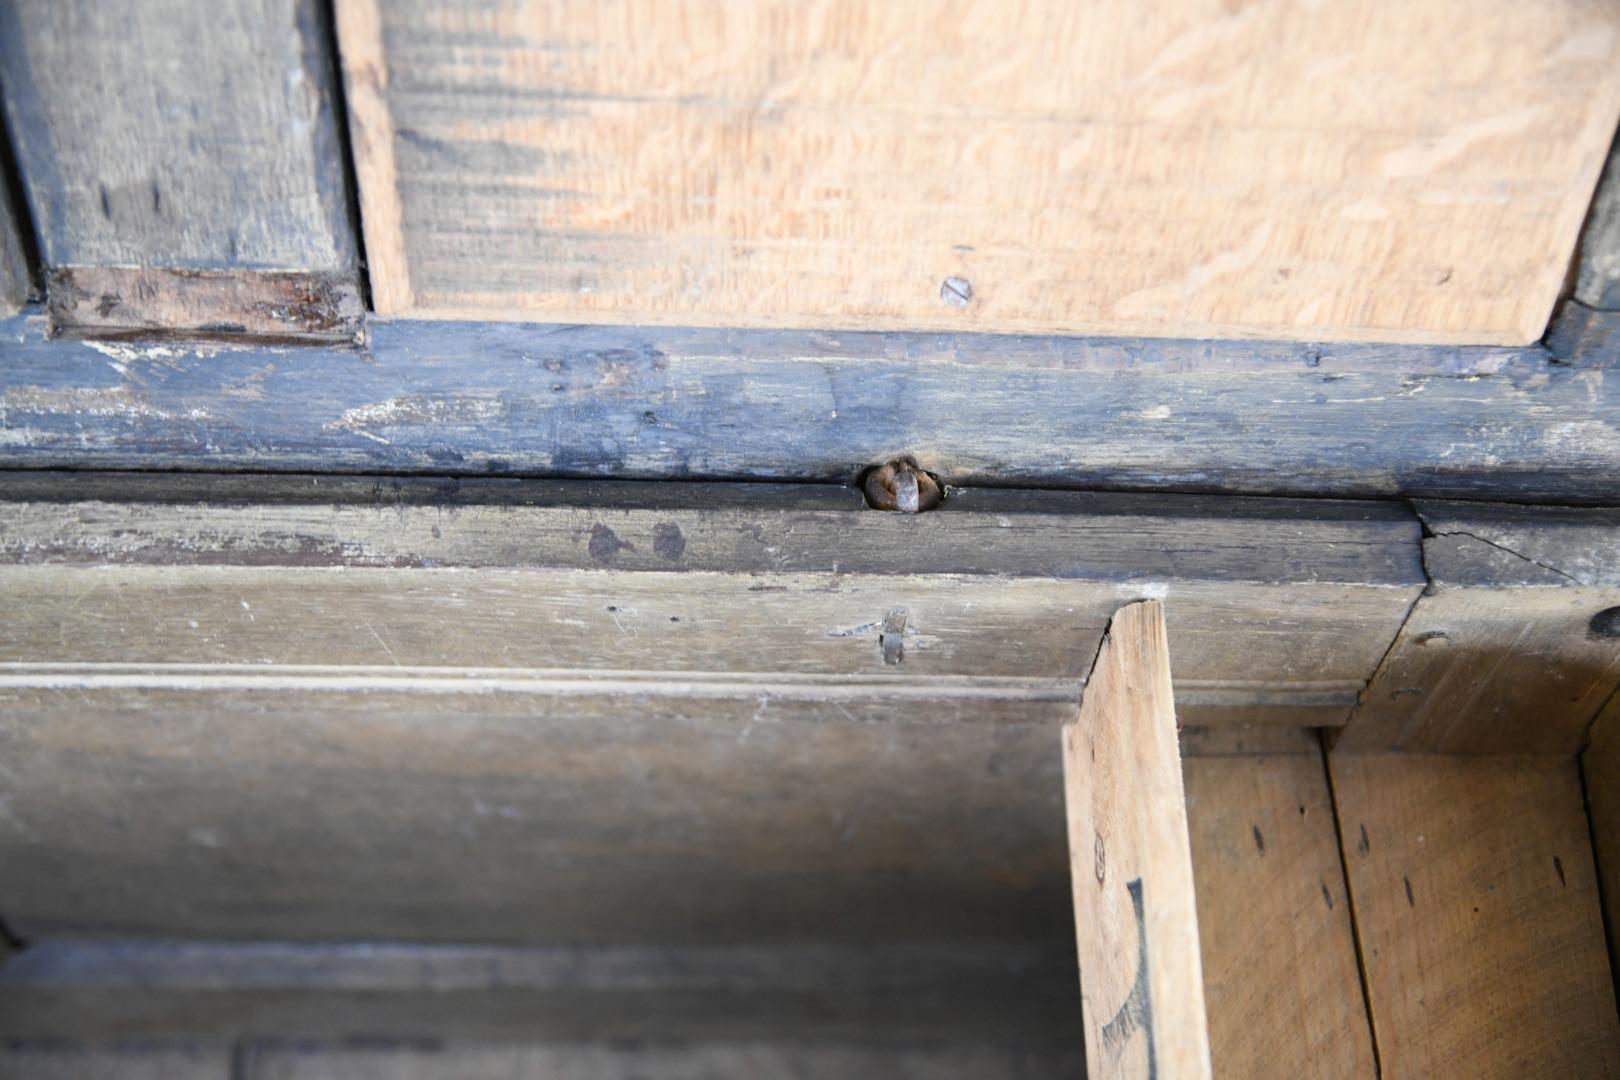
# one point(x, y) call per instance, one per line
point(1020, 993)
point(168, 1061)
point(1600, 773)
point(15, 282)
point(1280, 974)
point(1279, 613)
point(206, 142)
point(694, 404)
point(933, 1060)
point(1135, 914)
point(567, 819)
point(1597, 268)
point(1515, 646)
point(1477, 907)
point(984, 166)
point(417, 1059)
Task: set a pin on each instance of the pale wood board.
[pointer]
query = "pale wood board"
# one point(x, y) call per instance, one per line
point(1502, 653)
point(1136, 919)
point(1477, 907)
point(1280, 971)
point(1600, 771)
point(207, 141)
point(1415, 172)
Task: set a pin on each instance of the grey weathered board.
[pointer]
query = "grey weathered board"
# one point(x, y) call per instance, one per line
point(164, 147)
point(713, 404)
point(394, 709)
point(1022, 992)
point(15, 285)
point(1597, 265)
point(1510, 649)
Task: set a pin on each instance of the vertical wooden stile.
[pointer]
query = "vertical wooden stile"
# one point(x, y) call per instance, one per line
point(1141, 979)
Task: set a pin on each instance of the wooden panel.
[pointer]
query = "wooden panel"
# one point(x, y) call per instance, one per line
point(1477, 907)
point(1279, 614)
point(115, 1062)
point(206, 143)
point(1136, 920)
point(1359, 171)
point(1509, 651)
point(716, 1061)
point(1007, 992)
point(1600, 771)
point(524, 818)
point(472, 399)
point(1280, 974)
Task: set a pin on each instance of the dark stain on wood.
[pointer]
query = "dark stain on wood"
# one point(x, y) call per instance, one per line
point(605, 543)
point(669, 542)
point(1408, 883)
point(1136, 1012)
point(263, 306)
point(1259, 840)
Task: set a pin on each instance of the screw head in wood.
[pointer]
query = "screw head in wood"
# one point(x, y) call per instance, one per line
point(901, 486)
point(956, 291)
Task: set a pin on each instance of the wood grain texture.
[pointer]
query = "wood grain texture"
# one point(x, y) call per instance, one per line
point(525, 819)
point(1280, 972)
point(1355, 172)
point(1279, 615)
point(259, 305)
point(1597, 270)
point(1136, 918)
point(207, 142)
point(1477, 907)
point(115, 1062)
point(934, 1060)
point(1600, 772)
point(1509, 650)
point(15, 281)
point(1018, 993)
point(693, 404)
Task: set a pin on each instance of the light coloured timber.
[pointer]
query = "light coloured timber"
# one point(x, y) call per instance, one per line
point(1477, 907)
point(1280, 974)
point(1136, 919)
point(1411, 173)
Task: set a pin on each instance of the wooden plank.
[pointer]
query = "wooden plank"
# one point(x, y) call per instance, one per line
point(1477, 907)
point(968, 166)
point(1279, 615)
point(83, 1061)
point(1280, 971)
point(1510, 650)
point(879, 993)
point(391, 816)
point(934, 1060)
point(1600, 771)
point(197, 183)
point(1136, 920)
point(696, 404)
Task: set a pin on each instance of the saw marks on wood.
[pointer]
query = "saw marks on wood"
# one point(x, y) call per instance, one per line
point(1281, 168)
